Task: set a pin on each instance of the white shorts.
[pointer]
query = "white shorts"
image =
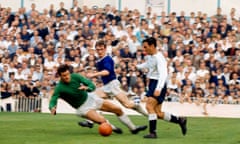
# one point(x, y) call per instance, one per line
point(113, 88)
point(93, 102)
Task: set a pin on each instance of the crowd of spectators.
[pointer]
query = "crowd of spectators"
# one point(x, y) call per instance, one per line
point(203, 52)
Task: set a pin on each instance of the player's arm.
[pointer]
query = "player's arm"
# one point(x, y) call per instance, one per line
point(100, 73)
point(106, 69)
point(144, 65)
point(54, 111)
point(53, 101)
point(104, 72)
point(162, 69)
point(88, 85)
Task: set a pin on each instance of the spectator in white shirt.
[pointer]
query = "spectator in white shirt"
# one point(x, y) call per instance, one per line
point(5, 73)
point(133, 44)
point(202, 71)
point(178, 56)
point(37, 74)
point(49, 63)
point(19, 75)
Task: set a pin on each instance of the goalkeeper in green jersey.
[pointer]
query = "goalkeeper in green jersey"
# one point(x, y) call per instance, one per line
point(78, 91)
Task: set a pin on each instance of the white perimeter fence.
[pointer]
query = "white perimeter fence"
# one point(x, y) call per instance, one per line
point(183, 109)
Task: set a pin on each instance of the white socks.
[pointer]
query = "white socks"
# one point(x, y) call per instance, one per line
point(125, 120)
point(140, 109)
point(152, 117)
point(167, 116)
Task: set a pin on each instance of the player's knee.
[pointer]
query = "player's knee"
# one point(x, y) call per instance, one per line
point(128, 106)
point(118, 111)
point(102, 120)
point(149, 108)
point(160, 115)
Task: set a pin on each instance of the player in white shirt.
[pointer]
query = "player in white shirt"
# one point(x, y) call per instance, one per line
point(157, 75)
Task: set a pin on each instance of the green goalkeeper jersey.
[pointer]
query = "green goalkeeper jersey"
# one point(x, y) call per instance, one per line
point(70, 92)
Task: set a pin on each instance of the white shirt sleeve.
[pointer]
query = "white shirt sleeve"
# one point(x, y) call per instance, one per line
point(142, 65)
point(162, 69)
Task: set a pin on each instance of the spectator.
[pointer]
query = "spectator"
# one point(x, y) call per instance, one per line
point(75, 7)
point(125, 54)
point(5, 90)
point(61, 11)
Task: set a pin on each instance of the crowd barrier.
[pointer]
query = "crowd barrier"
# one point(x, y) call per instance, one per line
point(21, 104)
point(183, 109)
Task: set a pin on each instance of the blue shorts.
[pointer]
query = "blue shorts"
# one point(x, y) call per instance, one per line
point(151, 88)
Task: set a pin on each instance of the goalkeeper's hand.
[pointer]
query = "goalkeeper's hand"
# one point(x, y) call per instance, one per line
point(53, 111)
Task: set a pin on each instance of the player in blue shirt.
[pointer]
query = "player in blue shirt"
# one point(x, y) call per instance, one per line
point(105, 67)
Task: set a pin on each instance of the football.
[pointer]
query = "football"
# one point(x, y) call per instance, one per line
point(105, 129)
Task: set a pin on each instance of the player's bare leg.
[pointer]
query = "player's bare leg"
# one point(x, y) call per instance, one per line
point(101, 93)
point(123, 99)
point(95, 116)
point(110, 107)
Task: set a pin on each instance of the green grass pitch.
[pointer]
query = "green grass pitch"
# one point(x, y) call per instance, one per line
point(39, 128)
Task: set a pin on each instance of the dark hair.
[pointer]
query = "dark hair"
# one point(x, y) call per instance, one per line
point(150, 41)
point(101, 43)
point(62, 68)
